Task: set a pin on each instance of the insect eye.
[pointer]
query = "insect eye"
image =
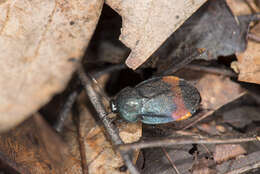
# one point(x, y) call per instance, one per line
point(113, 106)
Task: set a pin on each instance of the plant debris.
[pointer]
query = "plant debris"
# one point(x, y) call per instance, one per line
point(33, 147)
point(146, 24)
point(214, 50)
point(38, 40)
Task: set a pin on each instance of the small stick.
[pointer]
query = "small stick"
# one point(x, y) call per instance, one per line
point(110, 128)
point(206, 148)
point(182, 141)
point(213, 70)
point(82, 152)
point(245, 169)
point(64, 113)
point(81, 141)
point(254, 17)
point(252, 6)
point(183, 63)
point(253, 37)
point(208, 113)
point(170, 160)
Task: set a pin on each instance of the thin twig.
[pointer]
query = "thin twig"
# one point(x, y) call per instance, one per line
point(254, 37)
point(251, 17)
point(254, 17)
point(175, 67)
point(245, 169)
point(83, 153)
point(252, 6)
point(206, 148)
point(170, 160)
point(64, 113)
point(110, 128)
point(181, 141)
point(81, 141)
point(208, 113)
point(213, 70)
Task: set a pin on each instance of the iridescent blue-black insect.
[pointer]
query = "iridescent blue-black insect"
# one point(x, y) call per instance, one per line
point(157, 100)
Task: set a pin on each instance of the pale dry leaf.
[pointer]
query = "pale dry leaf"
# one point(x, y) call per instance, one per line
point(248, 64)
point(224, 152)
point(147, 24)
point(241, 7)
point(213, 95)
point(249, 61)
point(93, 144)
point(100, 155)
point(203, 166)
point(37, 41)
point(217, 94)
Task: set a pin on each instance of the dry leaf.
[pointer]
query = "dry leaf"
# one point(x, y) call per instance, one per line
point(100, 155)
point(248, 65)
point(209, 128)
point(249, 61)
point(216, 94)
point(241, 7)
point(35, 148)
point(37, 41)
point(225, 152)
point(213, 95)
point(202, 166)
point(147, 24)
point(212, 28)
point(240, 165)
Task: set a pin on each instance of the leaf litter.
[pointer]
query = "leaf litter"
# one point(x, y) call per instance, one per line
point(202, 51)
